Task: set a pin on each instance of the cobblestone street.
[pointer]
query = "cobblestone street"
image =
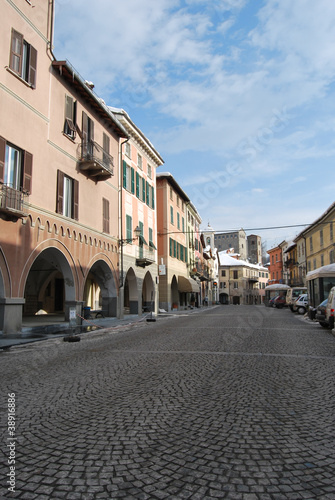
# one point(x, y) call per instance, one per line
point(233, 402)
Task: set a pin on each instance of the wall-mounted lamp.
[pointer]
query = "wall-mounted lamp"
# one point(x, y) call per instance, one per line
point(137, 232)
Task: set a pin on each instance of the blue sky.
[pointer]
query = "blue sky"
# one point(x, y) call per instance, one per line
point(237, 96)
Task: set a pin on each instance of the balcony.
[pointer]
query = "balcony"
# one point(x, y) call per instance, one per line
point(13, 203)
point(94, 161)
point(145, 256)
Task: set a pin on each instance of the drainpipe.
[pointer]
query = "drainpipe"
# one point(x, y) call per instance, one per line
point(52, 6)
point(121, 214)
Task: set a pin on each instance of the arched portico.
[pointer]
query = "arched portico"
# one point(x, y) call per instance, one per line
point(174, 293)
point(148, 293)
point(50, 286)
point(130, 293)
point(100, 290)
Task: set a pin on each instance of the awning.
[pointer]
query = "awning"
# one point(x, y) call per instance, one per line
point(187, 285)
point(152, 245)
point(142, 240)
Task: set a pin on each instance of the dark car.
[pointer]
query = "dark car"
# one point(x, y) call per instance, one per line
point(280, 302)
point(320, 314)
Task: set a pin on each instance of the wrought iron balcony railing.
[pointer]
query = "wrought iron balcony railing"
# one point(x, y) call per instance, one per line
point(95, 161)
point(13, 202)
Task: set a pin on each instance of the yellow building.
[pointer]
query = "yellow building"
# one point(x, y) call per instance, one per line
point(319, 241)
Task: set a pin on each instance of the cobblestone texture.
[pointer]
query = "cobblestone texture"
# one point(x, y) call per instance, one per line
point(233, 402)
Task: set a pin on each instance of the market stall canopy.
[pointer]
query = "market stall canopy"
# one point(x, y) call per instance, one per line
point(187, 285)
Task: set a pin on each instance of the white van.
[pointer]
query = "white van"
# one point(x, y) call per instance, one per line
point(330, 307)
point(292, 295)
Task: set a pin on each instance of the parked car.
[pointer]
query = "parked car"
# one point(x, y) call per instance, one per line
point(320, 314)
point(326, 313)
point(280, 302)
point(293, 294)
point(301, 303)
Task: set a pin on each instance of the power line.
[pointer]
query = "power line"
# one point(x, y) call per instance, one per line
point(237, 230)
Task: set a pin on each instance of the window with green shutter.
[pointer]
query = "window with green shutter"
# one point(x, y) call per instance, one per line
point(124, 174)
point(137, 185)
point(152, 197)
point(171, 215)
point(148, 193)
point(174, 248)
point(143, 189)
point(171, 244)
point(129, 230)
point(133, 181)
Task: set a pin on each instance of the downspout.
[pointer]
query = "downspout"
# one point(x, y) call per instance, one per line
point(52, 4)
point(121, 215)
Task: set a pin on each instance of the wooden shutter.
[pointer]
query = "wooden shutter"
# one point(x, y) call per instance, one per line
point(60, 190)
point(85, 127)
point(148, 193)
point(143, 189)
point(152, 197)
point(27, 171)
point(2, 158)
point(132, 181)
point(129, 227)
point(105, 215)
point(32, 66)
point(124, 174)
point(106, 143)
point(137, 185)
point(75, 207)
point(15, 61)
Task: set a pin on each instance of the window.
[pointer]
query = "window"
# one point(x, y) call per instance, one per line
point(15, 167)
point(106, 147)
point(151, 241)
point(128, 178)
point(149, 171)
point(171, 194)
point(129, 227)
point(67, 196)
point(235, 275)
point(87, 136)
point(127, 150)
point(321, 237)
point(314, 263)
point(178, 201)
point(139, 161)
point(23, 59)
point(105, 215)
point(223, 272)
point(322, 261)
point(70, 117)
point(183, 224)
point(235, 284)
point(311, 244)
point(171, 215)
point(331, 257)
point(178, 220)
point(331, 231)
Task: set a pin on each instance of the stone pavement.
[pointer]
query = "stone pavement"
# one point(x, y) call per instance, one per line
point(233, 402)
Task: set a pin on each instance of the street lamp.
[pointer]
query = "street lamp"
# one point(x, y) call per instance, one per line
point(137, 232)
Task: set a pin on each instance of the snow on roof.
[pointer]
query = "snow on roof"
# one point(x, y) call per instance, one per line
point(228, 260)
point(277, 286)
point(328, 270)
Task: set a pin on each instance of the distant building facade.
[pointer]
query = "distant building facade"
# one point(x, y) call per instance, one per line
point(235, 239)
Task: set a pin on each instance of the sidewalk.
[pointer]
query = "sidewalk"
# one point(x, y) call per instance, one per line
point(63, 329)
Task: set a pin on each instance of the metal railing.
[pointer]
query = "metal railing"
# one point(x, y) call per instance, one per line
point(13, 200)
point(92, 151)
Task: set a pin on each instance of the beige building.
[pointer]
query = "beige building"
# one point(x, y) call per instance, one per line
point(176, 288)
point(59, 181)
point(239, 281)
